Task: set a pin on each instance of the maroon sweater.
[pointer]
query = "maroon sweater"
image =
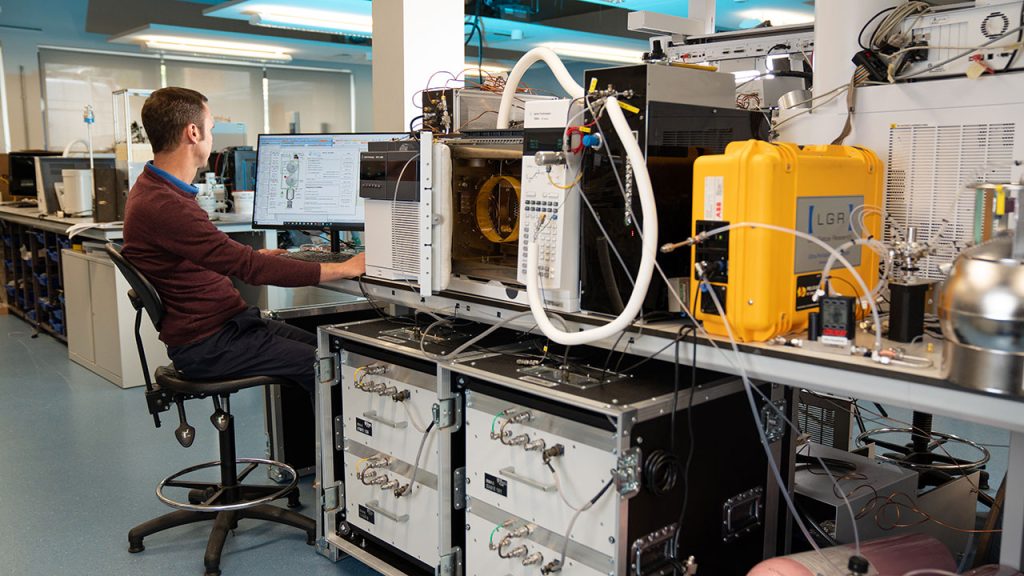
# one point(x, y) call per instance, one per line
point(170, 239)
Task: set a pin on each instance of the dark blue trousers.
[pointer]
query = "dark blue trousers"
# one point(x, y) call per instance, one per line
point(249, 345)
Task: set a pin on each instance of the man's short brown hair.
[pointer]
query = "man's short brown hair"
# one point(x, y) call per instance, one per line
point(167, 112)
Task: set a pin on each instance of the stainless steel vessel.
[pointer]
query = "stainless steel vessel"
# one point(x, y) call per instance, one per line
point(982, 314)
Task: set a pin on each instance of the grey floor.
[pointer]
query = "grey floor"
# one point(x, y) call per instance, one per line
point(80, 458)
point(79, 462)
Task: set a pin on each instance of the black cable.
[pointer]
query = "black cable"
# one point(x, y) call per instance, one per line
point(474, 30)
point(622, 355)
point(380, 311)
point(848, 283)
point(479, 44)
point(647, 359)
point(675, 388)
point(860, 37)
point(608, 359)
point(413, 121)
point(692, 443)
point(661, 472)
point(1020, 36)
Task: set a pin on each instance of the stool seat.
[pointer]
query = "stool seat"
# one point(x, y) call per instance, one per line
point(170, 380)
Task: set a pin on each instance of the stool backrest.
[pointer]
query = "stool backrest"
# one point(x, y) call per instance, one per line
point(142, 294)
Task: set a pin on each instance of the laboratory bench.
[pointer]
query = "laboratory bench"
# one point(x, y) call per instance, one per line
point(78, 297)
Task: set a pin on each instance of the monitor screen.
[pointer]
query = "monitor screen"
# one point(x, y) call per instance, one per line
point(311, 180)
point(22, 172)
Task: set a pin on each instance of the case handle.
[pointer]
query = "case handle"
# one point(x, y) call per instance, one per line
point(510, 473)
point(375, 506)
point(372, 415)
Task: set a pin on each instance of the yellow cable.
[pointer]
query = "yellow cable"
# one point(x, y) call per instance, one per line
point(359, 473)
point(567, 187)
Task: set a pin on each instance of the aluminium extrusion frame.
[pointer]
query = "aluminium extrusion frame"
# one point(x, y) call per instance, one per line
point(330, 490)
point(625, 418)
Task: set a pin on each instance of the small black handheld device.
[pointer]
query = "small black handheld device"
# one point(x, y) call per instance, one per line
point(838, 320)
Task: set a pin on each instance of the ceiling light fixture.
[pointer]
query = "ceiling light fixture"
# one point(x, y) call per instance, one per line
point(311, 20)
point(261, 52)
point(594, 52)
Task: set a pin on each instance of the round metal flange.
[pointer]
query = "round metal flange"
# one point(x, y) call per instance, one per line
point(965, 468)
point(241, 505)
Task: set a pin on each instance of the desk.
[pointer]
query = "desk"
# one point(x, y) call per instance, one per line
point(80, 299)
point(32, 218)
point(815, 367)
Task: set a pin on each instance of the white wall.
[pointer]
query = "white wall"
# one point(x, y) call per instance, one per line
point(62, 23)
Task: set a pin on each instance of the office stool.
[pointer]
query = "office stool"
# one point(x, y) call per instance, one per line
point(226, 501)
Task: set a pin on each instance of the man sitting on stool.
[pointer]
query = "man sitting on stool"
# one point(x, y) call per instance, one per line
point(209, 330)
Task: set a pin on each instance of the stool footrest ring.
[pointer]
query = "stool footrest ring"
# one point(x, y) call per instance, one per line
point(242, 503)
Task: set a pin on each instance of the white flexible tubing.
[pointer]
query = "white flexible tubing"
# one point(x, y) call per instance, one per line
point(516, 75)
point(648, 257)
point(67, 149)
point(842, 260)
point(871, 243)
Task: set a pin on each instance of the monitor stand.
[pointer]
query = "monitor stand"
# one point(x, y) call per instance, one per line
point(335, 236)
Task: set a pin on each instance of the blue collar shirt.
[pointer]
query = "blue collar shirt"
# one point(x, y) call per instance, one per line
point(178, 183)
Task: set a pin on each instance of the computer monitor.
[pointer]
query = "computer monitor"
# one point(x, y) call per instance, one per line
point(311, 181)
point(50, 171)
point(22, 172)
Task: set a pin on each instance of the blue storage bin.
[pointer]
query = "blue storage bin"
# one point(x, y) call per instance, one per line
point(40, 236)
point(10, 291)
point(31, 315)
point(54, 254)
point(8, 240)
point(65, 243)
point(43, 279)
point(58, 327)
point(56, 314)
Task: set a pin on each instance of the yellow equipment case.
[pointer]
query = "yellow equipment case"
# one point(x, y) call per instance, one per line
point(766, 279)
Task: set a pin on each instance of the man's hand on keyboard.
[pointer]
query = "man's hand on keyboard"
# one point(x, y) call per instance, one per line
point(352, 268)
point(272, 251)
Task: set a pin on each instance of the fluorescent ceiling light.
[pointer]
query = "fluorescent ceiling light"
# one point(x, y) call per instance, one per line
point(595, 52)
point(216, 47)
point(274, 16)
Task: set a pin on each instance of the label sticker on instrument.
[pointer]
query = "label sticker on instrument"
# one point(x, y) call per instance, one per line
point(366, 514)
point(496, 485)
point(828, 218)
point(364, 427)
point(806, 286)
point(714, 197)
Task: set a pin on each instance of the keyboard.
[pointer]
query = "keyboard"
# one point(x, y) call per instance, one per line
point(318, 256)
